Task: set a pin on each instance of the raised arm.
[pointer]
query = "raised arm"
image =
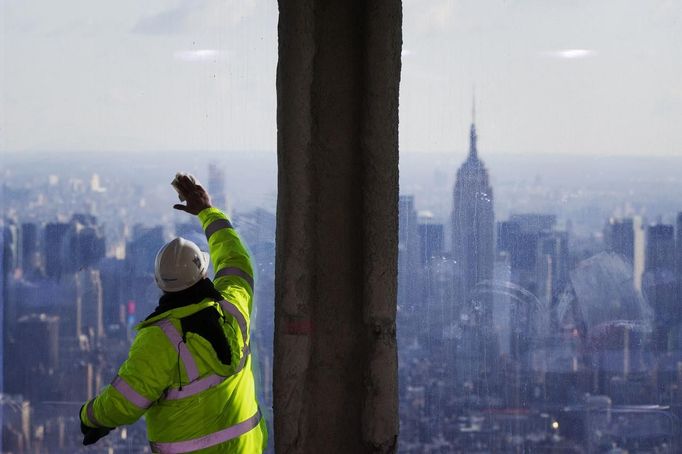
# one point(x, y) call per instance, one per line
point(231, 260)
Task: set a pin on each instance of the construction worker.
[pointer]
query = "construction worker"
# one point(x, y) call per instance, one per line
point(189, 368)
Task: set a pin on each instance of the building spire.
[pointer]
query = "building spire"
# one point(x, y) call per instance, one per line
point(473, 150)
point(473, 104)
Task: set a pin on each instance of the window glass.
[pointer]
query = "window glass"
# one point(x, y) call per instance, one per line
point(540, 248)
point(101, 105)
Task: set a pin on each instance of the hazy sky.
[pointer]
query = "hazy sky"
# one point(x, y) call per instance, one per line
point(559, 76)
point(139, 75)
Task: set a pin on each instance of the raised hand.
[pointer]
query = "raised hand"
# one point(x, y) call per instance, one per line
point(195, 196)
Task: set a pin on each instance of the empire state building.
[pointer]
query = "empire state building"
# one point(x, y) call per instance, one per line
point(472, 228)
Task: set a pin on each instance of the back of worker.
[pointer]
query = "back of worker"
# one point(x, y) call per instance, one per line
point(189, 368)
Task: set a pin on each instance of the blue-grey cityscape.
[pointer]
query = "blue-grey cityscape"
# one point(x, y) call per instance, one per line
point(526, 335)
point(78, 257)
point(536, 312)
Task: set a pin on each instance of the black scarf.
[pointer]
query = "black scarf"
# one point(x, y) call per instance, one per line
point(206, 323)
point(195, 294)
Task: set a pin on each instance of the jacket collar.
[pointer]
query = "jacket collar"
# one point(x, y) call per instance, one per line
point(202, 291)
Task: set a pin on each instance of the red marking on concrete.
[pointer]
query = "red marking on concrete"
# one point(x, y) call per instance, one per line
point(299, 327)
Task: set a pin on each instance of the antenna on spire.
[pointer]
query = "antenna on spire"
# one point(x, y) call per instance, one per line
point(473, 104)
point(473, 151)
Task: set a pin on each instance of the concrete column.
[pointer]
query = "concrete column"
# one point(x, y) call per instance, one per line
point(335, 371)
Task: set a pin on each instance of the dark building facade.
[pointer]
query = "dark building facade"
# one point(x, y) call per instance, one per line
point(678, 253)
point(431, 241)
point(33, 369)
point(55, 236)
point(619, 236)
point(626, 237)
point(30, 263)
point(660, 247)
point(538, 259)
point(408, 254)
point(11, 252)
point(659, 283)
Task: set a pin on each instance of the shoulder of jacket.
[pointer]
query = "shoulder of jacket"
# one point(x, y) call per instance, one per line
point(176, 313)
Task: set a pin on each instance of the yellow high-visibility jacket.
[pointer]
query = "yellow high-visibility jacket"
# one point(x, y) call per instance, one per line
point(192, 402)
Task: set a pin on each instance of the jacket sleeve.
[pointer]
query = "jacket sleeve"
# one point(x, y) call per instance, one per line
point(141, 380)
point(231, 260)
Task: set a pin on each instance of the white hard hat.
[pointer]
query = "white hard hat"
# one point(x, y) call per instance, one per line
point(179, 265)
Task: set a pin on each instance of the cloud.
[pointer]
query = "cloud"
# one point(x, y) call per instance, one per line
point(200, 55)
point(570, 54)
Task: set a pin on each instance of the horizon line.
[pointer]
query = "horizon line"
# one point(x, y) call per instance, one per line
point(95, 154)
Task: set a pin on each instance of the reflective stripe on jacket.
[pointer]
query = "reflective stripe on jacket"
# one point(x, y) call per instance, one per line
point(191, 400)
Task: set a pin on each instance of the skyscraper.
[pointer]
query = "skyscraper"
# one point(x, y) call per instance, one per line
point(538, 253)
point(55, 236)
point(410, 304)
point(626, 237)
point(430, 240)
point(678, 254)
point(408, 252)
point(216, 186)
point(89, 303)
point(142, 248)
point(11, 254)
point(660, 248)
point(472, 225)
point(473, 252)
point(35, 366)
point(659, 282)
point(85, 243)
point(30, 260)
point(538, 264)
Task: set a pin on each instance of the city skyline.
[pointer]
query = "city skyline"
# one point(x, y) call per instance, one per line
point(531, 267)
point(559, 331)
point(81, 288)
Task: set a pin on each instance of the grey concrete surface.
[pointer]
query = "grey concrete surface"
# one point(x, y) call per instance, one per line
point(335, 371)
